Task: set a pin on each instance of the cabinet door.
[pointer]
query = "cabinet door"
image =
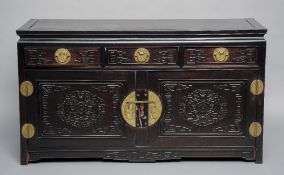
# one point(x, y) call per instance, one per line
point(205, 108)
point(69, 112)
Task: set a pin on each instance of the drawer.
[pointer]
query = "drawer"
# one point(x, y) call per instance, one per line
point(62, 56)
point(221, 56)
point(141, 56)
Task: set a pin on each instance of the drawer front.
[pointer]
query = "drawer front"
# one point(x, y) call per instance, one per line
point(220, 56)
point(123, 56)
point(62, 56)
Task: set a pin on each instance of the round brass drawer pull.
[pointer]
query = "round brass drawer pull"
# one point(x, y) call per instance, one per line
point(141, 55)
point(221, 54)
point(62, 56)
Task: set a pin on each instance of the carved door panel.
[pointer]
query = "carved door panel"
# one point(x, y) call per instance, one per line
point(204, 108)
point(78, 113)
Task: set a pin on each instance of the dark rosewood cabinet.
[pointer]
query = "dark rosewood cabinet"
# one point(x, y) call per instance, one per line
point(141, 90)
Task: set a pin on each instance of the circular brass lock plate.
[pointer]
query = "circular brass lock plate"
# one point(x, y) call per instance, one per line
point(62, 56)
point(255, 129)
point(128, 108)
point(26, 88)
point(221, 54)
point(141, 55)
point(256, 87)
point(28, 130)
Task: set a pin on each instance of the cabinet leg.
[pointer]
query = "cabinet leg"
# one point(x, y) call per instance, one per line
point(258, 155)
point(24, 158)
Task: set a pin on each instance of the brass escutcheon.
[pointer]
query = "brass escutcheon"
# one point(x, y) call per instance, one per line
point(28, 130)
point(26, 88)
point(256, 87)
point(62, 56)
point(128, 108)
point(255, 129)
point(221, 54)
point(141, 55)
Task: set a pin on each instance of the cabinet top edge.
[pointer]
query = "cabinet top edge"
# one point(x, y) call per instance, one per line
point(141, 27)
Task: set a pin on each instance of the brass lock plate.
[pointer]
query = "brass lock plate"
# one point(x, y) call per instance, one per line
point(256, 87)
point(221, 54)
point(141, 55)
point(26, 88)
point(62, 56)
point(141, 113)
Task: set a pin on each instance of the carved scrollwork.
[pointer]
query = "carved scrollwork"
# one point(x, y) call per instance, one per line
point(44, 56)
point(204, 107)
point(125, 56)
point(203, 55)
point(81, 109)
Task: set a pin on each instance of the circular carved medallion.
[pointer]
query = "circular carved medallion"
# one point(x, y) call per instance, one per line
point(204, 107)
point(81, 109)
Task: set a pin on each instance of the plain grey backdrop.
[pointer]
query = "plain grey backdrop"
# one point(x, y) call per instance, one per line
point(14, 13)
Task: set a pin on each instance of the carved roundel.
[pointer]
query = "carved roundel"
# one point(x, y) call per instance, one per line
point(204, 107)
point(81, 109)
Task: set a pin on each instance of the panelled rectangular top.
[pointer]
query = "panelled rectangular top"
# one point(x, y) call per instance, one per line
point(150, 27)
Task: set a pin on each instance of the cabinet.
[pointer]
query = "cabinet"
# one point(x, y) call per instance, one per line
point(140, 92)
